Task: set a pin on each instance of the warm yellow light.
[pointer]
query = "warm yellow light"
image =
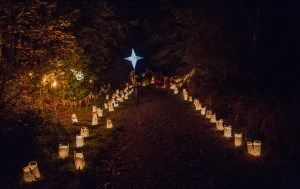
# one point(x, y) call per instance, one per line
point(30, 74)
point(91, 81)
point(54, 84)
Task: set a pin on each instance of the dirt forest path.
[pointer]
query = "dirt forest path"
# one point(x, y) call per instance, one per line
point(166, 144)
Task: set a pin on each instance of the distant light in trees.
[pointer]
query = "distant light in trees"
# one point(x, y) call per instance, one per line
point(78, 75)
point(54, 84)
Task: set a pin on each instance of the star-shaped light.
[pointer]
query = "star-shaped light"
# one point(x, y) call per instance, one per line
point(133, 58)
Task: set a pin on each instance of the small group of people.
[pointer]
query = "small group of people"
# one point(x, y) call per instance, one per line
point(163, 81)
point(149, 77)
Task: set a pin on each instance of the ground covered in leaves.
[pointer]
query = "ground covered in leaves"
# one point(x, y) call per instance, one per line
point(160, 143)
point(165, 143)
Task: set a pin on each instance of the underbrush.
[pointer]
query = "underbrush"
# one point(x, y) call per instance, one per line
point(261, 115)
point(32, 136)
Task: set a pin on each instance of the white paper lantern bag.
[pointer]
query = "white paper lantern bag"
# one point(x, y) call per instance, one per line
point(185, 97)
point(79, 141)
point(111, 107)
point(79, 161)
point(109, 124)
point(213, 118)
point(95, 119)
point(238, 139)
point(227, 131)
point(254, 148)
point(84, 131)
point(94, 109)
point(63, 151)
point(31, 172)
point(99, 112)
point(208, 114)
point(219, 125)
point(250, 147)
point(105, 106)
point(203, 111)
point(175, 90)
point(74, 118)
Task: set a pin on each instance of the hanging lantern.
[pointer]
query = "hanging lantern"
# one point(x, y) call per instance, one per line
point(107, 97)
point(109, 124)
point(190, 98)
point(99, 112)
point(219, 125)
point(95, 119)
point(79, 160)
point(213, 118)
point(227, 131)
point(79, 141)
point(84, 131)
point(31, 172)
point(238, 139)
point(63, 151)
point(203, 111)
point(105, 106)
point(74, 118)
point(116, 104)
point(184, 91)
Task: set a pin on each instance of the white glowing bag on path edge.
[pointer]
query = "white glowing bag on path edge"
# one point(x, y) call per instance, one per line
point(79, 161)
point(31, 172)
point(63, 151)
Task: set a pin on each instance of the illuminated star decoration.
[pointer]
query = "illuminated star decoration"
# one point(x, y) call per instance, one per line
point(133, 58)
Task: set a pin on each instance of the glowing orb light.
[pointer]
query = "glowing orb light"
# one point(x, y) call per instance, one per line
point(54, 84)
point(78, 74)
point(133, 58)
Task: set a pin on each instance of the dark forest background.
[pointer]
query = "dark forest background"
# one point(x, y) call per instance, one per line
point(244, 52)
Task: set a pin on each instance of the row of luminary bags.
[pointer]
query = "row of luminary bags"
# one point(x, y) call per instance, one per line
point(253, 148)
point(31, 172)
